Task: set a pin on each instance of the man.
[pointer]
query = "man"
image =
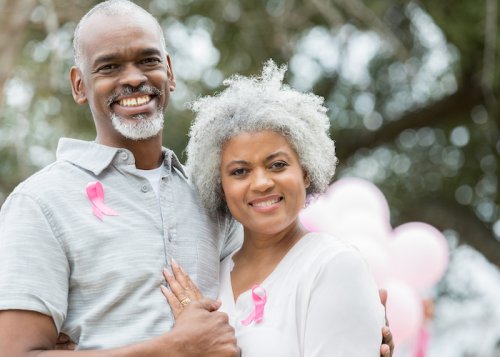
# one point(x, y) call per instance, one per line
point(84, 241)
point(66, 267)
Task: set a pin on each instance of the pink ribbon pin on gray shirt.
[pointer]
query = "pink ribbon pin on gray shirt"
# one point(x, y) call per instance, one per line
point(95, 193)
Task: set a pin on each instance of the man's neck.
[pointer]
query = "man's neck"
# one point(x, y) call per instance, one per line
point(147, 153)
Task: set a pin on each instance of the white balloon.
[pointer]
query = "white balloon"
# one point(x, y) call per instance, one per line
point(404, 311)
point(376, 255)
point(359, 224)
point(316, 215)
point(419, 254)
point(357, 195)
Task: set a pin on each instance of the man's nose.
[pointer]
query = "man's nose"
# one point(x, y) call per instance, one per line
point(132, 76)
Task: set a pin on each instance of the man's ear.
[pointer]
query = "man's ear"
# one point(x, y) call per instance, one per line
point(170, 74)
point(77, 85)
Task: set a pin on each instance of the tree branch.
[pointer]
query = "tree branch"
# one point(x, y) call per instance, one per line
point(358, 10)
point(442, 111)
point(488, 71)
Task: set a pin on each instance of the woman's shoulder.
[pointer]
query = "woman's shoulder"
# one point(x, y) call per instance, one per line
point(327, 244)
point(325, 251)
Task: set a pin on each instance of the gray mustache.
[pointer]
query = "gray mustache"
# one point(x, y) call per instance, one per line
point(142, 89)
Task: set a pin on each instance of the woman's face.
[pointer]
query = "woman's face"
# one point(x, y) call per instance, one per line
point(264, 185)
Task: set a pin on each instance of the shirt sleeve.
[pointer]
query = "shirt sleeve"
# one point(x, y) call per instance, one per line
point(344, 315)
point(34, 270)
point(233, 238)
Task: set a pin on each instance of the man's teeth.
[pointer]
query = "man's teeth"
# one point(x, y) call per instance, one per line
point(134, 102)
point(266, 203)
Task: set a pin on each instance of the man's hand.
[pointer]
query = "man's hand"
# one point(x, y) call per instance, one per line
point(200, 331)
point(387, 348)
point(204, 331)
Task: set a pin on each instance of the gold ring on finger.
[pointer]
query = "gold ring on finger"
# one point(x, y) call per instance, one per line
point(185, 302)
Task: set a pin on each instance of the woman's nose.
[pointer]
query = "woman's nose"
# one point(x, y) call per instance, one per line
point(261, 181)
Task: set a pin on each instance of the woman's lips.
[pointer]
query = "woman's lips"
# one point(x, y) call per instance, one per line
point(266, 204)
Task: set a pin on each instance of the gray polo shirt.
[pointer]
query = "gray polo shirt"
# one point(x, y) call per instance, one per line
point(99, 279)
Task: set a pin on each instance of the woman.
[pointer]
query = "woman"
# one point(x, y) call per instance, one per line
point(260, 149)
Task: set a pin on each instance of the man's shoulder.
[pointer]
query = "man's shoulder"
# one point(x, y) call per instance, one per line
point(53, 177)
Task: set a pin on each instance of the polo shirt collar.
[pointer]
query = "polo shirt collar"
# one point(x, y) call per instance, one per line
point(96, 157)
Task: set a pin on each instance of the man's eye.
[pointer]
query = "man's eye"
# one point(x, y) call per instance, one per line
point(107, 68)
point(151, 61)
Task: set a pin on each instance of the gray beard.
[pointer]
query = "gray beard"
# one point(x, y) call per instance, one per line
point(141, 128)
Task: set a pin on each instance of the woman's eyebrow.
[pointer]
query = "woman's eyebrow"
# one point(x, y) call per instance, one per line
point(276, 154)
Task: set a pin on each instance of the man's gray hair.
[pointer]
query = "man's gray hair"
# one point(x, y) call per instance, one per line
point(110, 8)
point(252, 104)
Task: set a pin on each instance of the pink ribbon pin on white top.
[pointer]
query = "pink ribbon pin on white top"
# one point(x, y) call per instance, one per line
point(95, 194)
point(259, 298)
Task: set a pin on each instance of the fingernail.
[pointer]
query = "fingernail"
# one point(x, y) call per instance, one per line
point(166, 272)
point(173, 262)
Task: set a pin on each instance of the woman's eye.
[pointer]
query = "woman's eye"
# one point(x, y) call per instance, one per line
point(238, 172)
point(278, 165)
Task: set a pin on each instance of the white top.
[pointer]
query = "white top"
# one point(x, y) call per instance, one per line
point(321, 301)
point(154, 177)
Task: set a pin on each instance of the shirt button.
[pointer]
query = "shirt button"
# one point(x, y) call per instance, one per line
point(124, 156)
point(144, 188)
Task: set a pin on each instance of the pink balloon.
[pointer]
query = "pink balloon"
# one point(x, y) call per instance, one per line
point(376, 255)
point(316, 215)
point(351, 206)
point(354, 195)
point(358, 224)
point(404, 311)
point(419, 254)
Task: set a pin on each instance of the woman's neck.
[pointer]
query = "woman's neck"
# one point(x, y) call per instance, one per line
point(259, 256)
point(257, 245)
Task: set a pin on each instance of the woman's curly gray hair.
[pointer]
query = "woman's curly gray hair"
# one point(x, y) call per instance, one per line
point(252, 104)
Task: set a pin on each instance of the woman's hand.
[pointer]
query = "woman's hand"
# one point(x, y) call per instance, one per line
point(65, 343)
point(182, 289)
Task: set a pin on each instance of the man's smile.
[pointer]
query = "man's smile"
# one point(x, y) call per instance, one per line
point(131, 106)
point(134, 102)
point(134, 97)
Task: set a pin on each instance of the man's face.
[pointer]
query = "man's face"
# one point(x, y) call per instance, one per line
point(126, 79)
